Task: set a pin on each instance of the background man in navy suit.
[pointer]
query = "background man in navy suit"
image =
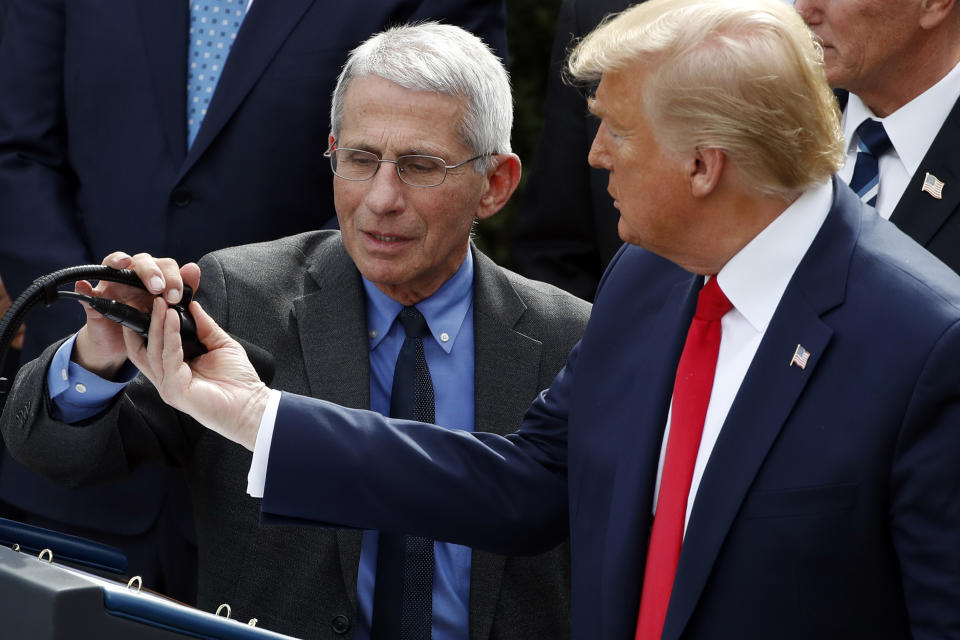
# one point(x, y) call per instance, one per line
point(899, 63)
point(566, 229)
point(820, 500)
point(94, 155)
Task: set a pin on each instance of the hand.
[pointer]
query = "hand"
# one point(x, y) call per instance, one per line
point(101, 347)
point(220, 389)
point(6, 303)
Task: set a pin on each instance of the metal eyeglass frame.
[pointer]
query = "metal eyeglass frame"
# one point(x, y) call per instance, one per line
point(446, 167)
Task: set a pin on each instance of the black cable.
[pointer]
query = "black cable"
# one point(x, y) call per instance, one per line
point(44, 289)
point(112, 310)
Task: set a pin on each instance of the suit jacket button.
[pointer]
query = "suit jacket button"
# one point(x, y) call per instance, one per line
point(181, 197)
point(340, 624)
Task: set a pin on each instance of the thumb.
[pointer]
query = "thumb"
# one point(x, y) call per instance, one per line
point(208, 331)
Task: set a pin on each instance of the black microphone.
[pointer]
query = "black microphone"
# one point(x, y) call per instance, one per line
point(261, 359)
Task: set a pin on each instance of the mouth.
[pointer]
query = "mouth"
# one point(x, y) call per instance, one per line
point(616, 203)
point(385, 240)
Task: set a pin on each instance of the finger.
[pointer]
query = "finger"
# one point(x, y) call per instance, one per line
point(145, 353)
point(85, 288)
point(117, 260)
point(190, 273)
point(154, 348)
point(172, 353)
point(173, 283)
point(208, 331)
point(149, 271)
point(3, 293)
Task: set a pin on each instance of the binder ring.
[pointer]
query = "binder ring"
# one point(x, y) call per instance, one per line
point(253, 622)
point(16, 546)
point(48, 553)
point(135, 582)
point(222, 607)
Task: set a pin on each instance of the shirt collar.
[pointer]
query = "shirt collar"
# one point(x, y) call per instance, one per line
point(913, 127)
point(755, 278)
point(444, 311)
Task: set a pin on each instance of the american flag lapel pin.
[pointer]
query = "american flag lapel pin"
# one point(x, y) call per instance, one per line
point(933, 186)
point(800, 357)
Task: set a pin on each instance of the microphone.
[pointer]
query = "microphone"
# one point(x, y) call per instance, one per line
point(261, 359)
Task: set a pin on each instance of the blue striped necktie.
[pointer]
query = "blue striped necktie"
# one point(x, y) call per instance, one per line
point(873, 142)
point(213, 28)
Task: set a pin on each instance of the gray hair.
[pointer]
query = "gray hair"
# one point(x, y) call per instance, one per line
point(444, 59)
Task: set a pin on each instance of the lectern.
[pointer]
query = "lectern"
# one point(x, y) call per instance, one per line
point(43, 600)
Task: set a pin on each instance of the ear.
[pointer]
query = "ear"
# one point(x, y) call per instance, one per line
point(331, 141)
point(934, 12)
point(705, 168)
point(502, 181)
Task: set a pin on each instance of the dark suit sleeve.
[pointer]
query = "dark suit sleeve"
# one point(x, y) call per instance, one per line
point(566, 228)
point(925, 490)
point(37, 187)
point(484, 18)
point(332, 465)
point(138, 427)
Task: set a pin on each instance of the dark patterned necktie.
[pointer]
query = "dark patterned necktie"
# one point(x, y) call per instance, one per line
point(403, 591)
point(873, 143)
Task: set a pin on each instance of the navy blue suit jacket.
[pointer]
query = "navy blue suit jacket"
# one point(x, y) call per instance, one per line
point(829, 507)
point(93, 154)
point(933, 223)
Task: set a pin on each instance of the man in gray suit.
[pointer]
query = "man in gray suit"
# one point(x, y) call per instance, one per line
point(420, 145)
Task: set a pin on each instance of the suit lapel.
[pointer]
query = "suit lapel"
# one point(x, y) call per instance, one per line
point(335, 314)
point(763, 404)
point(642, 416)
point(498, 348)
point(263, 31)
point(919, 214)
point(164, 27)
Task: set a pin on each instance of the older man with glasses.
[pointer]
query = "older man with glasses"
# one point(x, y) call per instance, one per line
point(398, 312)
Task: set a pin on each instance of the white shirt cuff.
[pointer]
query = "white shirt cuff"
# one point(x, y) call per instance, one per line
point(257, 477)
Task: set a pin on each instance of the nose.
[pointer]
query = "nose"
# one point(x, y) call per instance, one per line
point(385, 190)
point(598, 156)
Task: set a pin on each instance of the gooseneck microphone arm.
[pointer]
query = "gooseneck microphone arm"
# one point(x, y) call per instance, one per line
point(45, 290)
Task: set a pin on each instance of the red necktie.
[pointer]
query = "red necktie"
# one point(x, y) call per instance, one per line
point(691, 395)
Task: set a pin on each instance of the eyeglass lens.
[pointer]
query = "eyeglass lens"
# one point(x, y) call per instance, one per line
point(421, 171)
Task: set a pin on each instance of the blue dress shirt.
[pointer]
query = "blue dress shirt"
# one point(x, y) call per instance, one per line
point(450, 356)
point(78, 394)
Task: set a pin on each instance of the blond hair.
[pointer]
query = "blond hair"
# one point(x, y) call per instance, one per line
point(743, 76)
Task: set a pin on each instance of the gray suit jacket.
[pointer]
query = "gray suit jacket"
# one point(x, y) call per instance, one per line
point(301, 298)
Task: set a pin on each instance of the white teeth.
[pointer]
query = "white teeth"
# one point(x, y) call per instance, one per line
point(384, 238)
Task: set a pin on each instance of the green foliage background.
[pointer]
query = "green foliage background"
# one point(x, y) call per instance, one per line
point(530, 30)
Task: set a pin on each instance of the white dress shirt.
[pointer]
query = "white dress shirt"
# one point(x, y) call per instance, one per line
point(754, 281)
point(911, 129)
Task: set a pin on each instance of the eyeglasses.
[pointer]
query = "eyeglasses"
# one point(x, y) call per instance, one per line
point(416, 171)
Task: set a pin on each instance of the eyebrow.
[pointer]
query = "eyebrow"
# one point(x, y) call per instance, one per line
point(410, 151)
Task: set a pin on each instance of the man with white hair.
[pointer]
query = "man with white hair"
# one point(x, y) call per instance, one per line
point(896, 66)
point(398, 313)
point(757, 435)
